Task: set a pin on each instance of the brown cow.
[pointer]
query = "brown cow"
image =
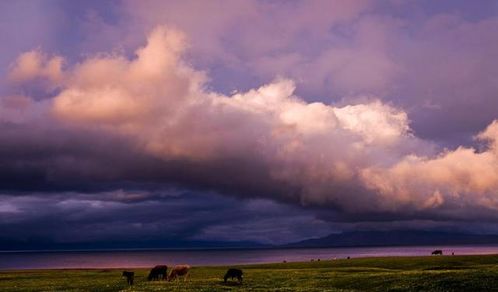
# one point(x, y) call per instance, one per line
point(178, 271)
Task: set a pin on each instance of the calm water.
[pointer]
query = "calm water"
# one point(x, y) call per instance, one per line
point(147, 258)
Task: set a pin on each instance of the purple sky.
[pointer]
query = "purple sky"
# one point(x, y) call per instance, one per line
point(268, 121)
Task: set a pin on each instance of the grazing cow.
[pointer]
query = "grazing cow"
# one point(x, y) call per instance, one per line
point(178, 271)
point(129, 277)
point(158, 273)
point(233, 273)
point(437, 251)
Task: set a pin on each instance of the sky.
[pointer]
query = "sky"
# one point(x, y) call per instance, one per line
point(261, 121)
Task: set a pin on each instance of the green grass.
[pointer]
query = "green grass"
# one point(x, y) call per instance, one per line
point(436, 273)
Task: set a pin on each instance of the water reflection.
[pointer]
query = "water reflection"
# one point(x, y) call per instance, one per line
point(147, 258)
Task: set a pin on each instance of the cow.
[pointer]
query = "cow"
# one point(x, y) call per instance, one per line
point(129, 277)
point(178, 271)
point(233, 273)
point(437, 252)
point(158, 273)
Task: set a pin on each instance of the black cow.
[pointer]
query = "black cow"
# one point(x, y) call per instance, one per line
point(233, 273)
point(437, 251)
point(158, 273)
point(129, 277)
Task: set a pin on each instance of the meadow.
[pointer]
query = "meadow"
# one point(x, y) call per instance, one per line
point(431, 273)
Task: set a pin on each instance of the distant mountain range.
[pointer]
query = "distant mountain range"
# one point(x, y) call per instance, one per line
point(396, 238)
point(346, 239)
point(9, 245)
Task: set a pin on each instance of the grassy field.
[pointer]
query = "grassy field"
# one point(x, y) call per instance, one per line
point(436, 273)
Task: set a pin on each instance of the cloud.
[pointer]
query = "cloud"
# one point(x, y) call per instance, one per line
point(463, 177)
point(272, 223)
point(115, 91)
point(155, 217)
point(265, 142)
point(33, 65)
point(422, 57)
point(412, 54)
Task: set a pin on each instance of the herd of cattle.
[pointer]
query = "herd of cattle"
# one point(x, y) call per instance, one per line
point(158, 273)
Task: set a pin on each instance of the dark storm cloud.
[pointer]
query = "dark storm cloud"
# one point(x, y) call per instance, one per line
point(169, 215)
point(49, 158)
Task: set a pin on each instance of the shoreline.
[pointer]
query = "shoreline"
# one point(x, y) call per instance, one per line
point(254, 265)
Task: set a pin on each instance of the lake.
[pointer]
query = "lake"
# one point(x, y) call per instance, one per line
point(148, 258)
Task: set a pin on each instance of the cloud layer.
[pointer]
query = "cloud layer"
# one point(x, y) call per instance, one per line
point(265, 142)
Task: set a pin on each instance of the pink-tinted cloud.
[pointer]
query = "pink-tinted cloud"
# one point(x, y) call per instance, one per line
point(33, 65)
point(359, 158)
point(422, 61)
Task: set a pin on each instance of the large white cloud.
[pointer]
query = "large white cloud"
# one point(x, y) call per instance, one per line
point(357, 158)
point(459, 178)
